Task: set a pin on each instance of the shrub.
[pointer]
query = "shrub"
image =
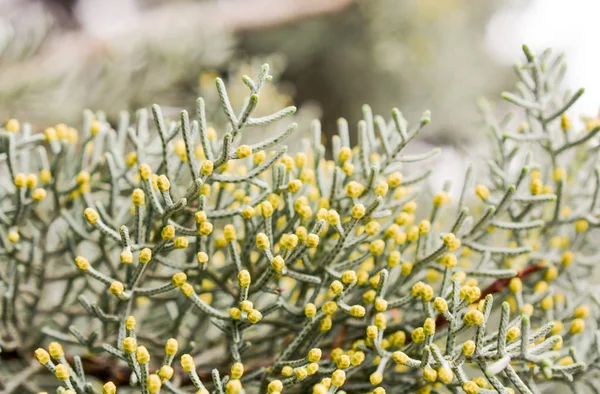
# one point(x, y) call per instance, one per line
point(178, 260)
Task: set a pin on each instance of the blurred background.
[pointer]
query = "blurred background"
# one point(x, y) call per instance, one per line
point(329, 57)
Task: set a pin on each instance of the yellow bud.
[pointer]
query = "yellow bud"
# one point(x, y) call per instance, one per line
point(254, 316)
point(559, 174)
point(577, 326)
point(581, 226)
point(473, 317)
point(468, 348)
point(50, 134)
point(278, 264)
point(109, 388)
point(205, 228)
point(163, 183)
point(129, 344)
point(56, 350)
point(61, 372)
point(243, 151)
point(207, 168)
point(141, 354)
point(310, 310)
point(42, 356)
point(515, 285)
point(445, 374)
point(13, 236)
point(179, 279)
point(116, 288)
point(482, 192)
point(381, 189)
point(429, 374)
point(470, 387)
point(338, 378)
point(166, 372)
point(12, 126)
point(153, 383)
point(357, 311)
point(513, 334)
point(312, 240)
point(275, 386)
point(145, 255)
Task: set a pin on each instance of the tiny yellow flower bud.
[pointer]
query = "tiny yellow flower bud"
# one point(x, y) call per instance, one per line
point(312, 240)
point(354, 189)
point(377, 247)
point(429, 326)
point(254, 316)
point(262, 241)
point(515, 285)
point(345, 154)
point(513, 334)
point(91, 215)
point(559, 174)
point(141, 355)
point(83, 177)
point(230, 233)
point(131, 159)
point(376, 378)
point(418, 335)
point(400, 357)
point(187, 289)
point(179, 279)
point(372, 332)
point(145, 255)
point(429, 374)
point(171, 347)
point(381, 189)
point(187, 363)
point(310, 310)
point(440, 305)
point(207, 168)
point(42, 356)
point(205, 228)
point(445, 374)
point(357, 311)
point(163, 183)
point(581, 312)
point(109, 388)
point(468, 348)
point(381, 305)
point(13, 236)
point(301, 373)
point(567, 258)
point(581, 226)
point(338, 378)
point(244, 278)
point(50, 134)
point(294, 185)
point(440, 199)
point(153, 383)
point(473, 317)
point(166, 372)
point(61, 372)
point(237, 370)
point(126, 257)
point(358, 211)
point(243, 151)
point(275, 386)
point(336, 287)
point(482, 192)
point(56, 350)
point(424, 227)
point(168, 232)
point(470, 387)
point(278, 264)
point(12, 126)
point(116, 288)
point(235, 313)
point(329, 308)
point(129, 344)
point(577, 326)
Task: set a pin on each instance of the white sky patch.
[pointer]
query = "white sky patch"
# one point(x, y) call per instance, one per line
point(568, 26)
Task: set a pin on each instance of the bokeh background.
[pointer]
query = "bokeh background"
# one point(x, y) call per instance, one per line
point(58, 57)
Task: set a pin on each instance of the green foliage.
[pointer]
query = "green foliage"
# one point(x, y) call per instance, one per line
point(176, 258)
